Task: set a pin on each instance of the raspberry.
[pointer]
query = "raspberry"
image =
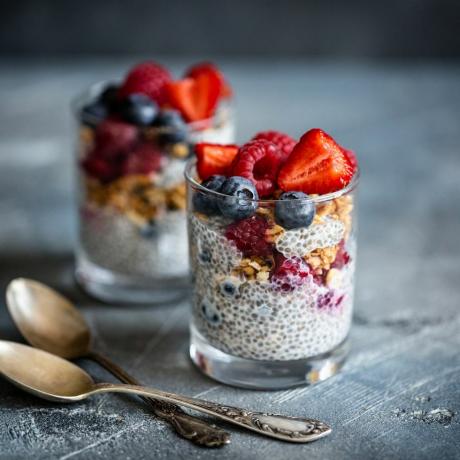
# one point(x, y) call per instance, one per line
point(329, 300)
point(289, 273)
point(259, 161)
point(114, 137)
point(100, 168)
point(148, 78)
point(342, 258)
point(249, 236)
point(283, 141)
point(144, 159)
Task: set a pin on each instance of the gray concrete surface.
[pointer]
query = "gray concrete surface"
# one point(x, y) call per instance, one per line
point(399, 394)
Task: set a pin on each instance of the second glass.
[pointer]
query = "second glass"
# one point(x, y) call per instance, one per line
point(132, 244)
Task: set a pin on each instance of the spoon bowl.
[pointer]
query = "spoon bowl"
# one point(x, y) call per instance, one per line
point(47, 319)
point(43, 374)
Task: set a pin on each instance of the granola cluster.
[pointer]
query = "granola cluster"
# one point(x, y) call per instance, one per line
point(137, 197)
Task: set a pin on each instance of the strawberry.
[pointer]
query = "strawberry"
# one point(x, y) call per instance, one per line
point(214, 159)
point(148, 78)
point(208, 67)
point(351, 156)
point(196, 98)
point(317, 164)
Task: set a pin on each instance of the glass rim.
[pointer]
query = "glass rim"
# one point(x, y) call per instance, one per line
point(315, 199)
point(93, 90)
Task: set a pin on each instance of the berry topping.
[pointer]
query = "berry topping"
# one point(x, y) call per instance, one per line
point(195, 98)
point(316, 165)
point(351, 158)
point(109, 97)
point(171, 127)
point(289, 274)
point(138, 109)
point(214, 159)
point(148, 78)
point(93, 112)
point(342, 258)
point(294, 210)
point(114, 137)
point(144, 159)
point(240, 201)
point(249, 236)
point(259, 161)
point(225, 90)
point(283, 141)
point(206, 202)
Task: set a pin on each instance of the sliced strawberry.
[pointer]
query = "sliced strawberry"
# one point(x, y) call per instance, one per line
point(225, 90)
point(214, 159)
point(196, 98)
point(317, 164)
point(351, 157)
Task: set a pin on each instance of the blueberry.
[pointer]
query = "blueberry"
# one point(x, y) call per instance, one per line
point(172, 127)
point(230, 287)
point(109, 97)
point(206, 202)
point(294, 210)
point(239, 202)
point(149, 230)
point(138, 109)
point(169, 119)
point(210, 313)
point(205, 256)
point(93, 113)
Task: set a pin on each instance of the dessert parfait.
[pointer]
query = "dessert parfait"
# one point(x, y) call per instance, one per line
point(272, 247)
point(135, 138)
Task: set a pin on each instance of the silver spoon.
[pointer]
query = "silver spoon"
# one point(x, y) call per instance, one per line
point(49, 321)
point(50, 377)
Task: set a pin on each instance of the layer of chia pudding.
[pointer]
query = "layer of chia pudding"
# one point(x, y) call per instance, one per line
point(272, 279)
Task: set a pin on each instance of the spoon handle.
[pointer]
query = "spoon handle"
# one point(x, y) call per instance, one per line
point(293, 429)
point(187, 426)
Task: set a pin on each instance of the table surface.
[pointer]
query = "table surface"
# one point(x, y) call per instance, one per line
point(399, 393)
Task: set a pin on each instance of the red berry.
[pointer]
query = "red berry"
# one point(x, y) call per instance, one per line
point(289, 274)
point(196, 98)
point(249, 236)
point(351, 157)
point(148, 78)
point(114, 137)
point(214, 159)
point(144, 159)
point(316, 165)
point(329, 300)
point(100, 168)
point(259, 161)
point(283, 141)
point(342, 257)
point(206, 67)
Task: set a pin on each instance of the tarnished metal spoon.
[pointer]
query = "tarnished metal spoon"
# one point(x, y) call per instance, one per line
point(51, 377)
point(49, 321)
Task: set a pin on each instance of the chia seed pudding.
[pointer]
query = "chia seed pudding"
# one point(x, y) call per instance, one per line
point(135, 139)
point(272, 250)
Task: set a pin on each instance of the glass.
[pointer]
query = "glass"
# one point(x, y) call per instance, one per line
point(132, 243)
point(277, 320)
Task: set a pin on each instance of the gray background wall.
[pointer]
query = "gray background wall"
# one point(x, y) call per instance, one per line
point(348, 29)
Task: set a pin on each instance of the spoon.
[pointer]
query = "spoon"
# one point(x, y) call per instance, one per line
point(49, 321)
point(51, 377)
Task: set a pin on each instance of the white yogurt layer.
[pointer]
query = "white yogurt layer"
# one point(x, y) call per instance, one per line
point(251, 319)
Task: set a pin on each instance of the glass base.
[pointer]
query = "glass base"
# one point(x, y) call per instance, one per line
point(116, 288)
point(264, 375)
